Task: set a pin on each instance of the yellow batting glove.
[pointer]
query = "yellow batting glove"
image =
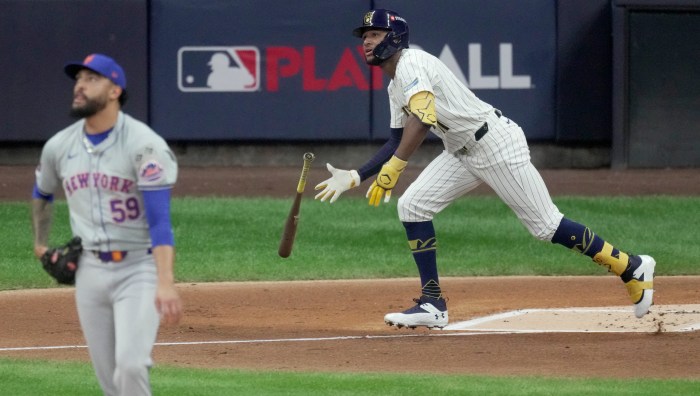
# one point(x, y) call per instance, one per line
point(375, 194)
point(386, 180)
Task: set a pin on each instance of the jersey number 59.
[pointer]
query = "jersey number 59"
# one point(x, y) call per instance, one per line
point(122, 210)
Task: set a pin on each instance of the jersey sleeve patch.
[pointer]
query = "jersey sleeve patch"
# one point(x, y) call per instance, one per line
point(151, 171)
point(410, 85)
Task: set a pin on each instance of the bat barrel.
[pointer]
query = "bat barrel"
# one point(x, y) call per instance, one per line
point(290, 225)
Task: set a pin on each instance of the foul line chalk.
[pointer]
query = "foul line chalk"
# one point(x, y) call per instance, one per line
point(262, 341)
point(458, 329)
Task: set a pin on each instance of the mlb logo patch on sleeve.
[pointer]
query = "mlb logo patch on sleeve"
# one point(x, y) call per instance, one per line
point(218, 69)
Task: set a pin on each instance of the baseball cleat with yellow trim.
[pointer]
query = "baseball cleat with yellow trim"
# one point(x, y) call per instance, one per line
point(428, 311)
point(639, 281)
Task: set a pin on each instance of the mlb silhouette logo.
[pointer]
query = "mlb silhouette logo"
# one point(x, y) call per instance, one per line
point(218, 69)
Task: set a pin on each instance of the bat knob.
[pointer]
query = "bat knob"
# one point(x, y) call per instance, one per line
point(309, 157)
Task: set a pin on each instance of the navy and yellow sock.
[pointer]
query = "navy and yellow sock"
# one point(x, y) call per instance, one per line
point(421, 240)
point(580, 238)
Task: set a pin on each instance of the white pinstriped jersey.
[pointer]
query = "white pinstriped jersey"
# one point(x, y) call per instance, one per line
point(501, 158)
point(103, 183)
point(459, 112)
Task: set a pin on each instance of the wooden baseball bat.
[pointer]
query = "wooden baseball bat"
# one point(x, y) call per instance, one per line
point(292, 222)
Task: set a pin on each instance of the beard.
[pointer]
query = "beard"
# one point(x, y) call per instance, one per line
point(374, 61)
point(90, 108)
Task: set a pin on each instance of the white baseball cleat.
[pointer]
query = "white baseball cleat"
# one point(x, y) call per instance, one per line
point(428, 311)
point(641, 284)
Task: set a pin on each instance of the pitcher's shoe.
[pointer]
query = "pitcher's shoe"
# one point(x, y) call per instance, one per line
point(428, 311)
point(639, 281)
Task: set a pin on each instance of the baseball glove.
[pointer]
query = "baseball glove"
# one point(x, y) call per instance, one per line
point(62, 261)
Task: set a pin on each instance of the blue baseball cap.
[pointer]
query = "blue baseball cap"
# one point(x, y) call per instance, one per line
point(101, 64)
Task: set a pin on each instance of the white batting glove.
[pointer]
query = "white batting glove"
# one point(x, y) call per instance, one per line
point(340, 181)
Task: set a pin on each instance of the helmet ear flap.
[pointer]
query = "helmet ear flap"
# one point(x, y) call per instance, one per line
point(388, 47)
point(385, 49)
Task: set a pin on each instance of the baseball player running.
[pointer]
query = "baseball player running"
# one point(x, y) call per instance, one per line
point(116, 174)
point(482, 145)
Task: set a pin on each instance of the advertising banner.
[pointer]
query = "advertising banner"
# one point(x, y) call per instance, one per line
point(279, 70)
point(262, 70)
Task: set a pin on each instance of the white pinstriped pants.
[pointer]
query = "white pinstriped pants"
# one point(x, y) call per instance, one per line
point(500, 159)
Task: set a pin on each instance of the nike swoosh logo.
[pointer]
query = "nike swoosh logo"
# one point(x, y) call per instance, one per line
point(72, 156)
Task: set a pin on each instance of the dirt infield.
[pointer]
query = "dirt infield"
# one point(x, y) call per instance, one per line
point(337, 325)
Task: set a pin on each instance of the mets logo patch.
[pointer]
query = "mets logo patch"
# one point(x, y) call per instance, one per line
point(151, 171)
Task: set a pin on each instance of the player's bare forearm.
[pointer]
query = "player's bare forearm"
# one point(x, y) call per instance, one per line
point(42, 213)
point(164, 256)
point(414, 133)
point(168, 300)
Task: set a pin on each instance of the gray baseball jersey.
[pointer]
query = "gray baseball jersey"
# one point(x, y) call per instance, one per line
point(103, 183)
point(103, 186)
point(500, 157)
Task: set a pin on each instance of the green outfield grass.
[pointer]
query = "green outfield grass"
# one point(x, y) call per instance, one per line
point(76, 379)
point(237, 239)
